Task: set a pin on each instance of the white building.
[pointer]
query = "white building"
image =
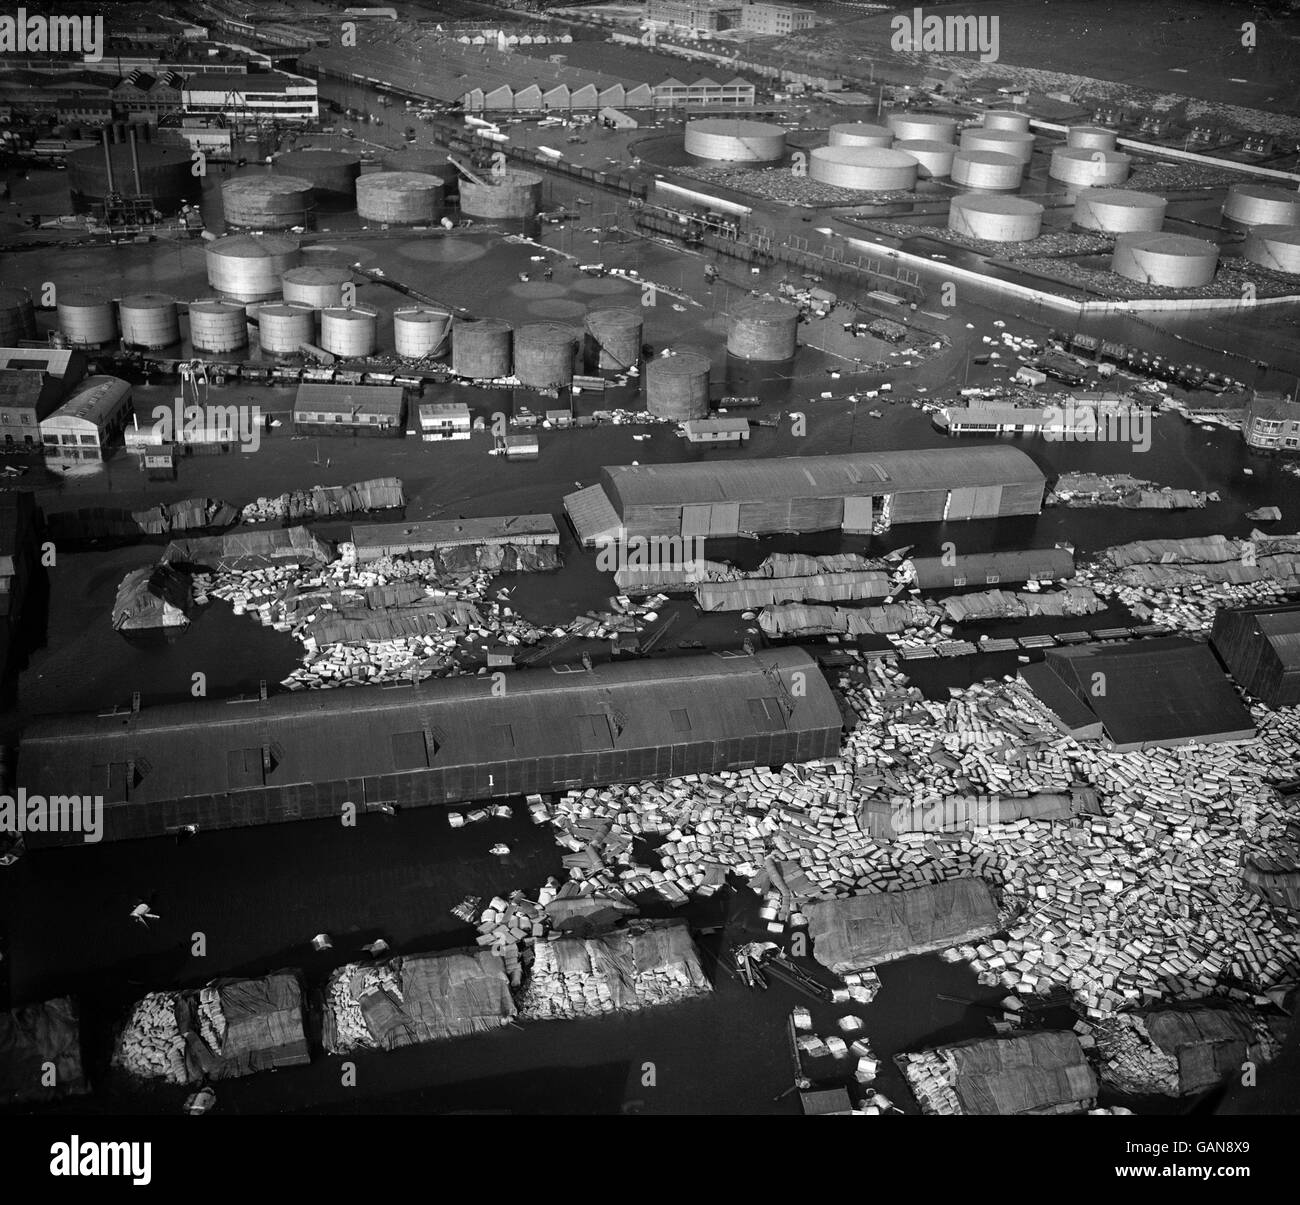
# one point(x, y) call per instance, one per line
point(89, 422)
point(257, 96)
point(445, 420)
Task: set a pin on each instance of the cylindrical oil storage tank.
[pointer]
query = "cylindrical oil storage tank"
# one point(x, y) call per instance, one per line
point(995, 219)
point(544, 355)
point(931, 127)
point(481, 350)
point(1173, 261)
point(399, 198)
point(1016, 143)
point(283, 327)
point(349, 332)
point(164, 175)
point(613, 340)
point(1006, 119)
point(1262, 205)
point(763, 330)
point(1092, 138)
point(17, 316)
point(217, 325)
point(419, 332)
point(987, 169)
point(149, 320)
point(732, 140)
point(267, 202)
point(934, 158)
point(318, 286)
point(1089, 168)
point(1118, 210)
point(677, 386)
point(514, 194)
point(248, 267)
point(857, 133)
point(333, 174)
point(87, 319)
point(1276, 247)
point(869, 168)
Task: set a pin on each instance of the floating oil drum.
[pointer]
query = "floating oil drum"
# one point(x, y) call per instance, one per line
point(17, 316)
point(856, 133)
point(763, 330)
point(932, 127)
point(149, 320)
point(934, 158)
point(1118, 210)
point(1173, 261)
point(419, 332)
point(1089, 168)
point(513, 194)
point(1016, 143)
point(267, 202)
point(870, 168)
point(248, 267)
point(350, 333)
point(678, 386)
point(1092, 138)
point(318, 286)
point(613, 340)
point(544, 355)
point(480, 350)
point(733, 140)
point(995, 219)
point(399, 198)
point(987, 169)
point(217, 325)
point(283, 327)
point(1262, 205)
point(333, 174)
point(87, 319)
point(164, 175)
point(1276, 247)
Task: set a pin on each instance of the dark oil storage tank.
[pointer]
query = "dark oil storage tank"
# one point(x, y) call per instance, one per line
point(217, 325)
point(17, 315)
point(677, 386)
point(399, 198)
point(1172, 261)
point(149, 320)
point(763, 330)
point(512, 194)
point(283, 327)
point(333, 174)
point(480, 350)
point(164, 175)
point(267, 202)
point(248, 267)
point(1276, 247)
point(613, 340)
point(1262, 205)
point(544, 355)
point(87, 319)
point(420, 331)
point(318, 286)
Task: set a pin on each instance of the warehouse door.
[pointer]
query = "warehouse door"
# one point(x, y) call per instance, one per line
point(961, 502)
point(713, 519)
point(974, 502)
point(857, 515)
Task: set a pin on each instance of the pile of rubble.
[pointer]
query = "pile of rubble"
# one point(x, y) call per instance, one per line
point(1120, 489)
point(346, 988)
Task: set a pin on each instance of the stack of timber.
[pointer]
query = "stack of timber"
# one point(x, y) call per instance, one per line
point(322, 501)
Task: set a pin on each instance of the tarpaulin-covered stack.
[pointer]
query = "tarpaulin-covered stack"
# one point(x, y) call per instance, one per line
point(417, 998)
point(40, 1052)
point(797, 619)
point(250, 550)
point(645, 964)
point(1002, 604)
point(157, 596)
point(378, 493)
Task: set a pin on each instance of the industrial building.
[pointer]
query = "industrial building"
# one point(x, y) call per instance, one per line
point(445, 420)
point(1272, 422)
point(375, 540)
point(849, 491)
point(1260, 645)
point(33, 383)
point(307, 756)
point(1006, 418)
point(90, 422)
point(252, 96)
point(775, 18)
point(1140, 695)
point(698, 16)
point(716, 430)
point(349, 409)
point(991, 568)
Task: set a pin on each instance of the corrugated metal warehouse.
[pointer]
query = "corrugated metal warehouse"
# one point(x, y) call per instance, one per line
point(304, 756)
point(807, 493)
point(990, 568)
point(375, 540)
point(1261, 648)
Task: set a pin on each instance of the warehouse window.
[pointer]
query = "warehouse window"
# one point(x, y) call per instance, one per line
point(766, 714)
point(410, 751)
point(244, 768)
point(681, 719)
point(594, 732)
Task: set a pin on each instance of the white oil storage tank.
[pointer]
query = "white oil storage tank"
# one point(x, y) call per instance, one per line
point(997, 219)
point(869, 168)
point(1006, 119)
point(990, 170)
point(316, 285)
point(734, 140)
point(1275, 247)
point(1089, 168)
point(1171, 261)
point(1262, 205)
point(930, 127)
point(248, 267)
point(349, 332)
point(933, 158)
point(1092, 138)
point(217, 325)
point(267, 202)
point(420, 331)
point(283, 327)
point(1016, 143)
point(399, 198)
point(87, 319)
point(857, 133)
point(149, 320)
point(1118, 210)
